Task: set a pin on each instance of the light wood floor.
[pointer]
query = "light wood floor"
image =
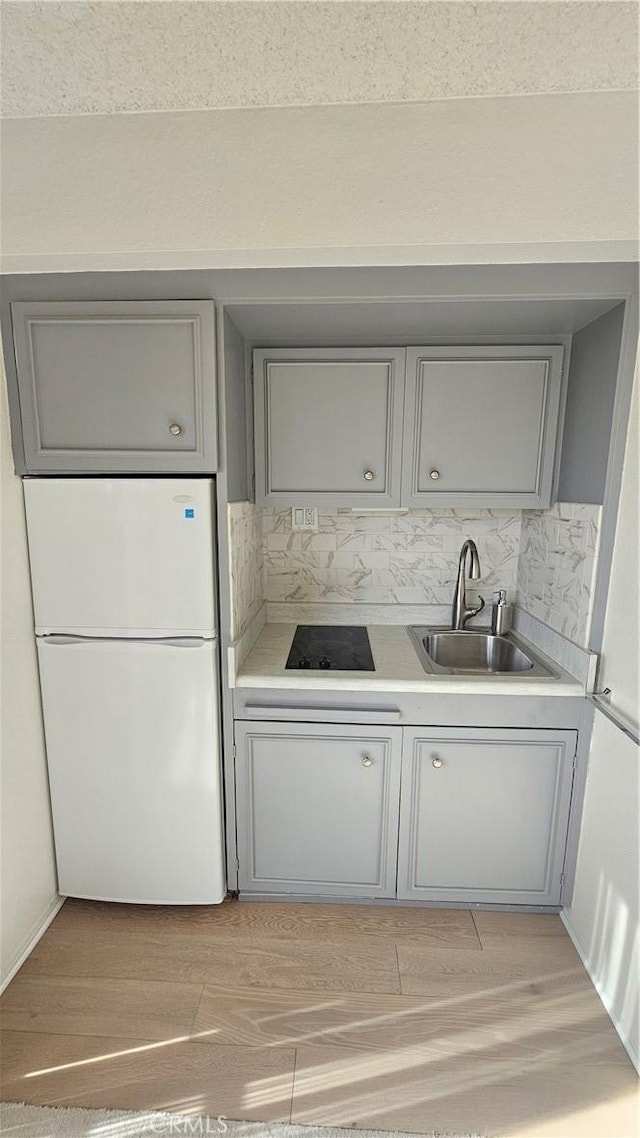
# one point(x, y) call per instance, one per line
point(345, 1015)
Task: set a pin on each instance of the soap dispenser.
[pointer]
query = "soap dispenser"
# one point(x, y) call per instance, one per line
point(500, 614)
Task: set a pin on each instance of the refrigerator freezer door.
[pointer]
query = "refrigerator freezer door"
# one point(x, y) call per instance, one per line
point(134, 769)
point(122, 556)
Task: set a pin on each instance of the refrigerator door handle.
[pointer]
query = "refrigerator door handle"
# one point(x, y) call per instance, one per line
point(164, 641)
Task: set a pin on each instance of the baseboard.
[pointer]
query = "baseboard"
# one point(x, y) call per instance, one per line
point(41, 927)
point(625, 1041)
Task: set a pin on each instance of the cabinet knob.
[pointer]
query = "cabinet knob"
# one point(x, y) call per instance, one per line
point(436, 761)
point(175, 429)
point(369, 475)
point(367, 761)
point(435, 474)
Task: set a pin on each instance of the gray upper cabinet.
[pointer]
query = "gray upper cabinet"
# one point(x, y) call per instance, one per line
point(420, 427)
point(117, 386)
point(317, 808)
point(481, 426)
point(484, 815)
point(328, 426)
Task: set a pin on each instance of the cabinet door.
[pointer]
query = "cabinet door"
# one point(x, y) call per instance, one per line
point(317, 808)
point(481, 426)
point(117, 386)
point(328, 426)
point(484, 815)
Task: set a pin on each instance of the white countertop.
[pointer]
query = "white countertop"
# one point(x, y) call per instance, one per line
point(398, 669)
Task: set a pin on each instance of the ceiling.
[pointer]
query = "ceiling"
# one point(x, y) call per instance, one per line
point(83, 57)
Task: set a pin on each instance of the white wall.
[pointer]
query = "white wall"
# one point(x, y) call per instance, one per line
point(527, 178)
point(28, 887)
point(604, 916)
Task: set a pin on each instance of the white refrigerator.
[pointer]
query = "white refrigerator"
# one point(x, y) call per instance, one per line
point(123, 579)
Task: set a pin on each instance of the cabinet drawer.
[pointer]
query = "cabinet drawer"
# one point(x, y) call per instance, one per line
point(317, 808)
point(117, 386)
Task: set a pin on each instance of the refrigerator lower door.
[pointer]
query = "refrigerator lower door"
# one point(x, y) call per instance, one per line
point(132, 740)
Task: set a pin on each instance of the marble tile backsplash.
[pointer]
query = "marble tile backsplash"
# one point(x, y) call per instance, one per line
point(371, 558)
point(557, 564)
point(244, 521)
point(546, 559)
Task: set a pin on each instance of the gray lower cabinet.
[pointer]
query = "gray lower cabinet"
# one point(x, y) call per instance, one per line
point(481, 425)
point(117, 386)
point(328, 426)
point(484, 814)
point(317, 808)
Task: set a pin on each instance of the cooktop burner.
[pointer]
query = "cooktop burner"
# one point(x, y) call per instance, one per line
point(344, 648)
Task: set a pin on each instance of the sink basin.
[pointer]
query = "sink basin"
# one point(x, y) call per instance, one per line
point(474, 653)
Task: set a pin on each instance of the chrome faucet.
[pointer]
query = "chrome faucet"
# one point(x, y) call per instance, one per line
point(460, 614)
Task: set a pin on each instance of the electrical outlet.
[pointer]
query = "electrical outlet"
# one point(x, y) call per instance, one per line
point(304, 517)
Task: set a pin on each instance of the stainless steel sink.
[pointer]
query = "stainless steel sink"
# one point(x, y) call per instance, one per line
point(474, 653)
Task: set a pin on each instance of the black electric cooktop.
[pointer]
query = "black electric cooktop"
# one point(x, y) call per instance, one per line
point(345, 648)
